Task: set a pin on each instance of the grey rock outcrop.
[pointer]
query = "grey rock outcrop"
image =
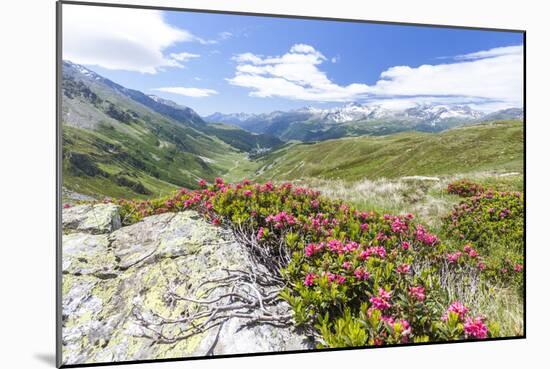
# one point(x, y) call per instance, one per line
point(94, 219)
point(118, 285)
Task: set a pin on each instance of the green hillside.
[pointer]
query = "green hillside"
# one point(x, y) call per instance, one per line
point(115, 146)
point(495, 146)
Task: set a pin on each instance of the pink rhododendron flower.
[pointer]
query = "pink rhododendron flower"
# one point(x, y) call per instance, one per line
point(453, 257)
point(336, 246)
point(314, 204)
point(268, 186)
point(312, 248)
point(417, 293)
point(361, 274)
point(247, 193)
point(340, 279)
point(398, 226)
point(364, 227)
point(202, 183)
point(310, 278)
point(281, 219)
point(351, 246)
point(475, 328)
point(260, 234)
point(458, 308)
point(481, 266)
point(346, 265)
point(405, 245)
point(403, 268)
point(66, 206)
point(504, 213)
point(381, 302)
point(426, 238)
point(518, 268)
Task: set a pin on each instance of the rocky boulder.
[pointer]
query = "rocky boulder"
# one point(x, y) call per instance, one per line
point(138, 292)
point(94, 219)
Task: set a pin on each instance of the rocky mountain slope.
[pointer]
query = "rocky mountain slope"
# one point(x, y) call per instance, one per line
point(168, 286)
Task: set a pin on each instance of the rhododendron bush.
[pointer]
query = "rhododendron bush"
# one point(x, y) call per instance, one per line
point(465, 188)
point(353, 278)
point(493, 222)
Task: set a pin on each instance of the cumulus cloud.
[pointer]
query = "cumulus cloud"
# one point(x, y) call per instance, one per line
point(120, 38)
point(187, 91)
point(492, 76)
point(294, 75)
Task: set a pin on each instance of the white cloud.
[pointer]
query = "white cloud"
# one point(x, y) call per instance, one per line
point(486, 77)
point(183, 57)
point(491, 53)
point(120, 38)
point(294, 75)
point(187, 91)
point(494, 75)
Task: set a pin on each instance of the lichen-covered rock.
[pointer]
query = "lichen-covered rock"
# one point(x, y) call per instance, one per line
point(95, 219)
point(116, 315)
point(85, 253)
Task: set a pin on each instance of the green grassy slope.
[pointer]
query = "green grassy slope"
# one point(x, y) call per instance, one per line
point(495, 146)
point(115, 146)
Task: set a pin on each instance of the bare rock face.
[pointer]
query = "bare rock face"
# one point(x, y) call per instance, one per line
point(137, 292)
point(94, 219)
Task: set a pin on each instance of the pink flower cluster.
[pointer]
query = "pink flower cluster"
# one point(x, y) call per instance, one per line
point(361, 274)
point(379, 251)
point(458, 308)
point(398, 225)
point(468, 249)
point(309, 280)
point(475, 328)
point(260, 234)
point(417, 293)
point(281, 219)
point(403, 268)
point(453, 257)
point(312, 248)
point(381, 301)
point(407, 330)
point(425, 237)
point(505, 213)
point(340, 279)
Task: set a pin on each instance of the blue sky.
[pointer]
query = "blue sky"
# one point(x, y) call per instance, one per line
point(230, 63)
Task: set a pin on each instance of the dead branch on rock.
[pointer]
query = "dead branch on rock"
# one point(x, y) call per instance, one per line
point(252, 295)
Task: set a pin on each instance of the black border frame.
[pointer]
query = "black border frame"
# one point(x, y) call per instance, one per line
point(59, 179)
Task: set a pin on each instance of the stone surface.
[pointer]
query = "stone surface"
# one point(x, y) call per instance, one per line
point(113, 283)
point(95, 219)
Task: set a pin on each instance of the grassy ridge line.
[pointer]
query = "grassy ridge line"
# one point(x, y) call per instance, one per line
point(495, 146)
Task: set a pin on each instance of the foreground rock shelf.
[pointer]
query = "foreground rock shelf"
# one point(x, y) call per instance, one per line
point(119, 285)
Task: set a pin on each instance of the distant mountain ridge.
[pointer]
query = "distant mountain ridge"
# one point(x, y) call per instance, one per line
point(312, 124)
